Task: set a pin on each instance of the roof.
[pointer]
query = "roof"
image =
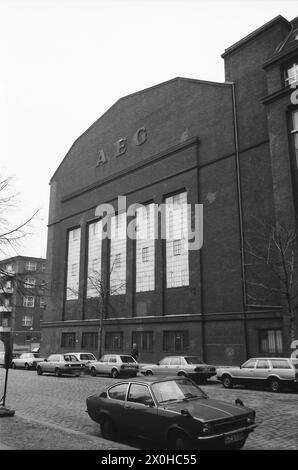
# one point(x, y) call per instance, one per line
point(255, 33)
point(124, 98)
point(21, 257)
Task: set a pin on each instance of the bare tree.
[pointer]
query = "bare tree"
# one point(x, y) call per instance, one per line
point(11, 233)
point(272, 257)
point(100, 288)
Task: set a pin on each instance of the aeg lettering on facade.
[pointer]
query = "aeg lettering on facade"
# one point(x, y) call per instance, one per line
point(139, 138)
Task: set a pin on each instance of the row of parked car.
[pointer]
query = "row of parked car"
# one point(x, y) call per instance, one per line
point(273, 373)
point(161, 403)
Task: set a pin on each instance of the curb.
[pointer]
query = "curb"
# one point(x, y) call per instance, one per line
point(113, 445)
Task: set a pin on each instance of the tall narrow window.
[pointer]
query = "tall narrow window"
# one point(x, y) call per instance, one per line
point(295, 134)
point(94, 259)
point(145, 249)
point(177, 241)
point(270, 341)
point(175, 341)
point(291, 73)
point(73, 264)
point(118, 255)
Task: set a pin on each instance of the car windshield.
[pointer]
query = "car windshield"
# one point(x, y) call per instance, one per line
point(127, 359)
point(193, 360)
point(176, 390)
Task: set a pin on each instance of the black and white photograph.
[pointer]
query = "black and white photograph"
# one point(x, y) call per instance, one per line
point(148, 229)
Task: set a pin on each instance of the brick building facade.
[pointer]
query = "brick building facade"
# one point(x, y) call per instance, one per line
point(229, 146)
point(23, 286)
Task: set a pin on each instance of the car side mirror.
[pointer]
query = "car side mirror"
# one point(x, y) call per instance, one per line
point(45, 360)
point(185, 413)
point(149, 402)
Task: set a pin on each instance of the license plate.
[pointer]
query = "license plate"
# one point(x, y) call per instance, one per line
point(234, 438)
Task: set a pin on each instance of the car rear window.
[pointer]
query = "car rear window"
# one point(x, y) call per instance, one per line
point(70, 358)
point(86, 357)
point(280, 364)
point(127, 359)
point(193, 360)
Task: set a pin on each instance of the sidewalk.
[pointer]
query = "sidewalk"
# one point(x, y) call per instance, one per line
point(21, 433)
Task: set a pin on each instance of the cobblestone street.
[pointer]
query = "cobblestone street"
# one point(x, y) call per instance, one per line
point(56, 408)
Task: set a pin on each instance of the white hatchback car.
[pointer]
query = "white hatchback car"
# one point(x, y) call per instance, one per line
point(85, 357)
point(115, 365)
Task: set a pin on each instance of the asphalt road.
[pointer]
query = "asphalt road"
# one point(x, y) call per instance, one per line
point(60, 402)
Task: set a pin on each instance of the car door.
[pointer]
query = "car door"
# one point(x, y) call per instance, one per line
point(261, 372)
point(45, 365)
point(175, 365)
point(102, 365)
point(163, 367)
point(112, 364)
point(52, 363)
point(114, 406)
point(246, 373)
point(141, 412)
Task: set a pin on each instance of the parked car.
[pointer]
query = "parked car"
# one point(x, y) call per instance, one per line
point(27, 360)
point(2, 358)
point(61, 364)
point(115, 365)
point(84, 357)
point(271, 372)
point(174, 411)
point(187, 366)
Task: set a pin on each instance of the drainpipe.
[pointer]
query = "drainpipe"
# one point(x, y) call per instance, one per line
point(240, 215)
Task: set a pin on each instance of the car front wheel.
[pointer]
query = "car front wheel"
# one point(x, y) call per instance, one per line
point(179, 441)
point(107, 428)
point(13, 366)
point(27, 366)
point(93, 372)
point(149, 372)
point(236, 445)
point(58, 372)
point(114, 373)
point(227, 381)
point(39, 371)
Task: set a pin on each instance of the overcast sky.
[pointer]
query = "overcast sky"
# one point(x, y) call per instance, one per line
point(65, 62)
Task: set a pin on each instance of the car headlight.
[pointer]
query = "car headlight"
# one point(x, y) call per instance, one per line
point(250, 419)
point(206, 428)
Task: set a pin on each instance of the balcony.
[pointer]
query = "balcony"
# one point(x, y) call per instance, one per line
point(5, 308)
point(8, 290)
point(5, 329)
